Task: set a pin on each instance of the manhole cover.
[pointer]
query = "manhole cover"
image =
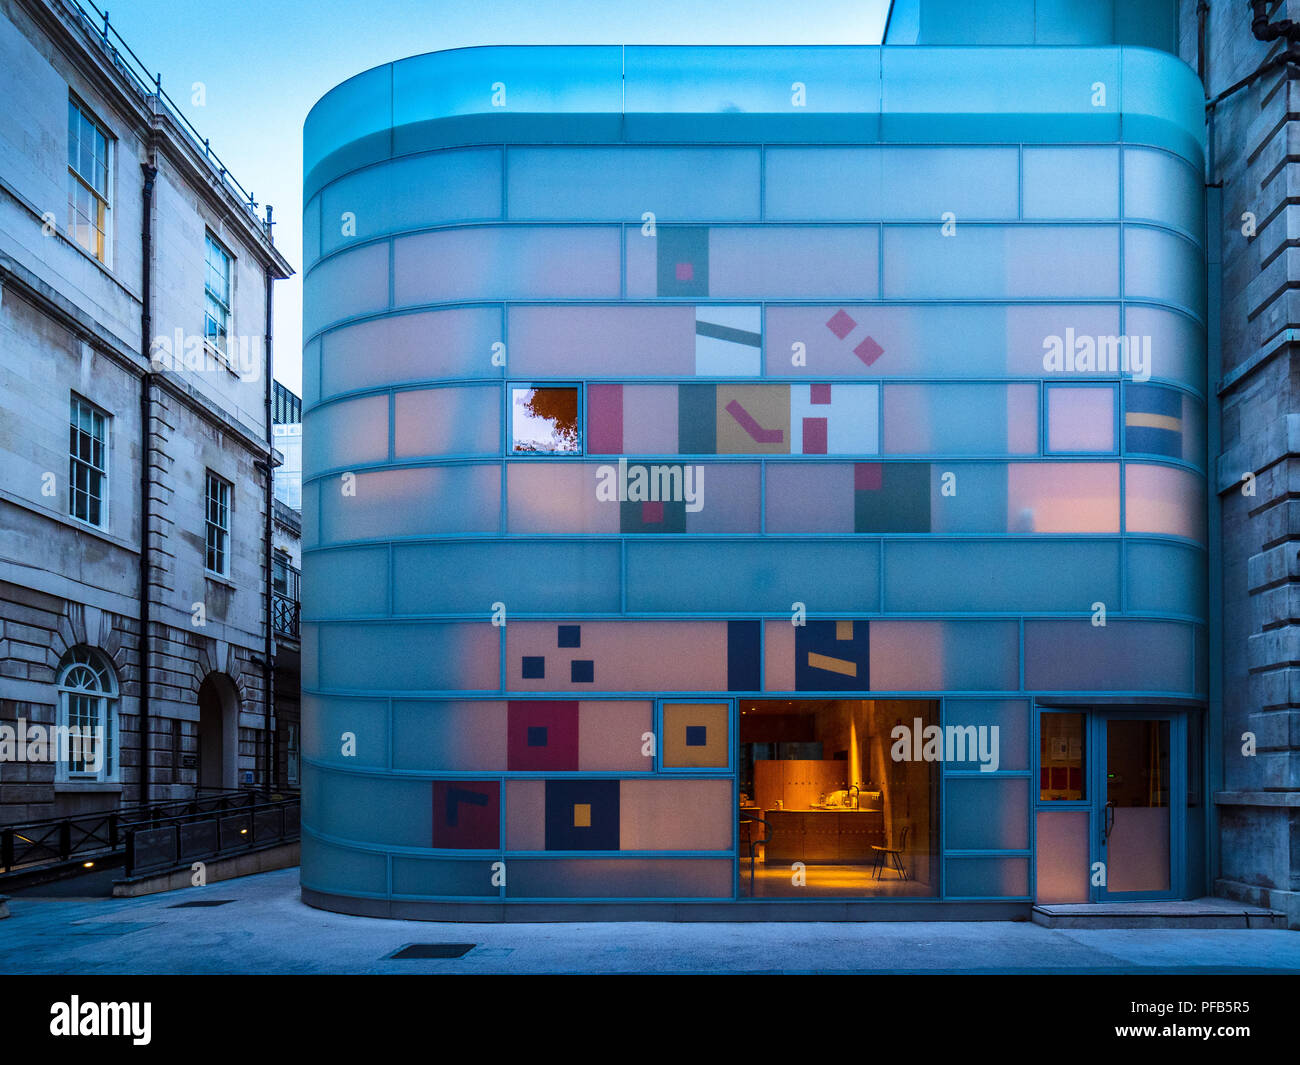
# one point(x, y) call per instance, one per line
point(435, 950)
point(200, 902)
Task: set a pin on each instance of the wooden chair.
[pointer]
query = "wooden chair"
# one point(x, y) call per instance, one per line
point(887, 855)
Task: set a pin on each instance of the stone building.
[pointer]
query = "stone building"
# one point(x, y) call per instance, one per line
point(135, 441)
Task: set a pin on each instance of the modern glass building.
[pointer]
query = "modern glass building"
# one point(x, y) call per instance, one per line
point(754, 482)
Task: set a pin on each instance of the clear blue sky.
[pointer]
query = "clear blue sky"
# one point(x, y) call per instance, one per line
point(264, 63)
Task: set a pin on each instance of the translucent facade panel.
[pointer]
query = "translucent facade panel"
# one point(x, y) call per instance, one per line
point(1161, 266)
point(986, 878)
point(1081, 419)
point(352, 283)
point(1061, 850)
point(350, 117)
point(631, 656)
point(1177, 344)
point(1122, 655)
point(311, 231)
point(411, 502)
point(1034, 332)
point(611, 735)
point(529, 577)
point(1074, 182)
point(410, 348)
point(447, 421)
point(602, 341)
point(341, 434)
point(810, 497)
point(1164, 578)
point(939, 655)
point(381, 810)
point(786, 262)
point(345, 870)
point(989, 813)
point(487, 262)
point(620, 184)
point(423, 877)
point(822, 184)
point(746, 576)
point(452, 656)
point(311, 372)
point(1164, 499)
point(325, 720)
point(620, 878)
point(675, 815)
point(411, 193)
point(310, 515)
point(1063, 497)
point(1160, 187)
point(557, 497)
point(966, 575)
point(1011, 719)
point(961, 419)
point(348, 582)
point(731, 499)
point(435, 736)
point(1001, 262)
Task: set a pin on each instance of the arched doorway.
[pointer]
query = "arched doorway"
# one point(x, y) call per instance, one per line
point(218, 732)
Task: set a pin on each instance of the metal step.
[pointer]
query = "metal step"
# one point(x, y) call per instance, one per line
point(1205, 912)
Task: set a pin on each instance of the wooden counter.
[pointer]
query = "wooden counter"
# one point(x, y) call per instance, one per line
point(824, 837)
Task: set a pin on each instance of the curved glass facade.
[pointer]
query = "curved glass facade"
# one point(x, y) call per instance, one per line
point(680, 424)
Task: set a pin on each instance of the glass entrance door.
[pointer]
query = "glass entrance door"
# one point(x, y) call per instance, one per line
point(1133, 824)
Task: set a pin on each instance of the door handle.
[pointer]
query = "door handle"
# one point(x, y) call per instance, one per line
point(1108, 818)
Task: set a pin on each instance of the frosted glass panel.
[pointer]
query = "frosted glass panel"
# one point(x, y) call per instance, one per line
point(348, 582)
point(986, 814)
point(412, 502)
point(527, 577)
point(1009, 716)
point(619, 184)
point(467, 735)
point(611, 735)
point(965, 575)
point(620, 878)
point(1165, 578)
point(420, 657)
point(443, 879)
point(669, 815)
point(351, 283)
point(938, 655)
point(1071, 182)
point(961, 419)
point(1081, 419)
point(1063, 497)
point(486, 262)
point(411, 193)
point(1061, 849)
point(1163, 188)
point(748, 576)
point(973, 183)
point(326, 867)
point(813, 184)
point(993, 262)
point(1164, 499)
point(986, 878)
point(411, 347)
point(1177, 344)
point(557, 497)
point(602, 341)
point(371, 807)
point(311, 232)
point(341, 434)
point(447, 421)
point(326, 718)
point(731, 500)
point(1119, 656)
point(810, 497)
point(1164, 267)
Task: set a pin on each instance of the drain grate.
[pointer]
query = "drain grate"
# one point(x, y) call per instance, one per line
point(434, 950)
point(200, 902)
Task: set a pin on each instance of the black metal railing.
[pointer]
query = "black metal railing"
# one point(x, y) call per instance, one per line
point(285, 615)
point(177, 841)
point(33, 844)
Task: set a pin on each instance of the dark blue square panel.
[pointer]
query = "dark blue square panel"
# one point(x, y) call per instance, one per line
point(570, 636)
point(536, 735)
point(582, 671)
point(582, 815)
point(534, 667)
point(697, 735)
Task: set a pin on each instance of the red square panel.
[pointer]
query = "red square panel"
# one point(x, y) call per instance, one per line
point(685, 271)
point(542, 735)
point(467, 814)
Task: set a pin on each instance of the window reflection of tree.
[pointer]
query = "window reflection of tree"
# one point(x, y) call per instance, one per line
point(559, 408)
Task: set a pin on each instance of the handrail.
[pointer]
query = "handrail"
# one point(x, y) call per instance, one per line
point(250, 834)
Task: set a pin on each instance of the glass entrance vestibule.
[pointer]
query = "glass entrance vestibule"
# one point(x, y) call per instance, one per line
point(1120, 806)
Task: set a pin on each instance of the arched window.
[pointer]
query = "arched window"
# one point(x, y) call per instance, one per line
point(87, 718)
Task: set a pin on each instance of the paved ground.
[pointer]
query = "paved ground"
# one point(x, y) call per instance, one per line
point(267, 929)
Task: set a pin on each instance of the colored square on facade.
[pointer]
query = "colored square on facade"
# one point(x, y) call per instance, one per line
point(582, 671)
point(831, 656)
point(542, 735)
point(1081, 418)
point(683, 260)
point(744, 640)
point(1153, 420)
point(696, 735)
point(697, 419)
point(653, 517)
point(835, 419)
point(569, 636)
point(728, 341)
point(604, 419)
point(533, 667)
point(467, 814)
point(753, 419)
point(569, 802)
point(891, 497)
